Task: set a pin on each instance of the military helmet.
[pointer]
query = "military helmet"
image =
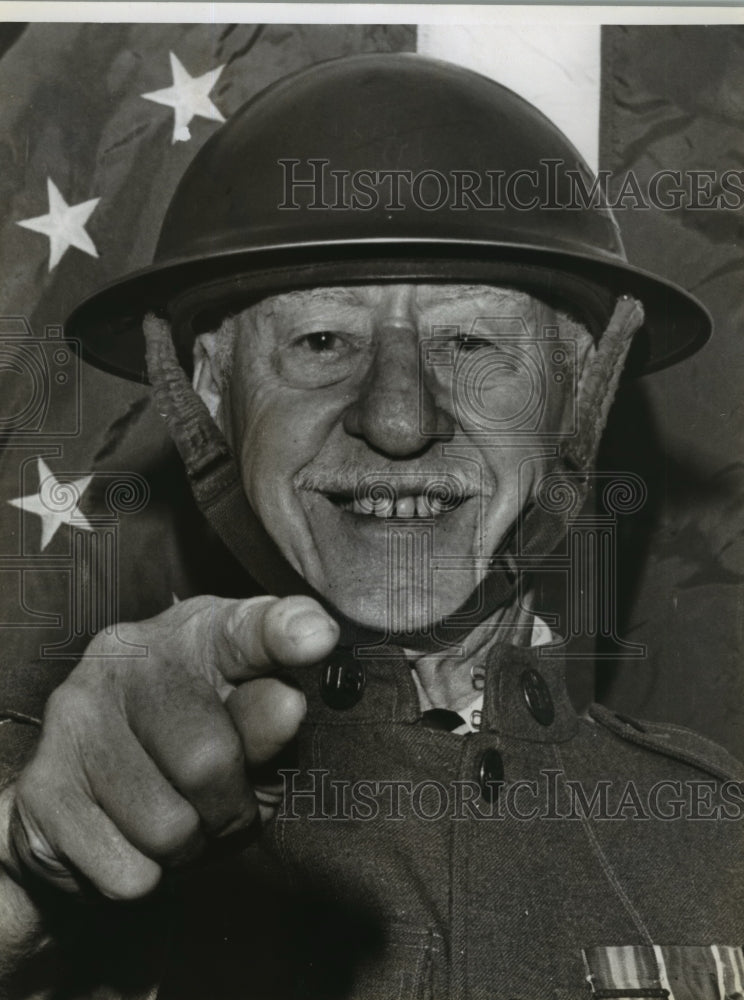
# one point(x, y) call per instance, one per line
point(383, 167)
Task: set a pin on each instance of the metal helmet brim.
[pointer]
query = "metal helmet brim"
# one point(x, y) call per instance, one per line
point(196, 293)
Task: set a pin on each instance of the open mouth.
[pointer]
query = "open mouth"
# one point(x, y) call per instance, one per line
point(386, 502)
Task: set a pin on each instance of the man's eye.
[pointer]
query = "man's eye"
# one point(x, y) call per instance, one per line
point(468, 344)
point(321, 342)
point(318, 358)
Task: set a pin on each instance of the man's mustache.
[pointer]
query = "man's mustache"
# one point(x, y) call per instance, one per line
point(355, 479)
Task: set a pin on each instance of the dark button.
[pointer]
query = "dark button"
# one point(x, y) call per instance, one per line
point(342, 681)
point(490, 774)
point(537, 695)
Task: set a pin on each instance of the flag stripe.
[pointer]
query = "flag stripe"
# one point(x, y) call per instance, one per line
point(555, 67)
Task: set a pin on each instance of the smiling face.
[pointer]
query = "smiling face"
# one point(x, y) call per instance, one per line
point(389, 435)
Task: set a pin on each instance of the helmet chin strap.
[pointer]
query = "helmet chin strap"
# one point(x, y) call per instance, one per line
point(215, 481)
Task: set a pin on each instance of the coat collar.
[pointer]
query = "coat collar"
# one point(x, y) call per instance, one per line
point(524, 692)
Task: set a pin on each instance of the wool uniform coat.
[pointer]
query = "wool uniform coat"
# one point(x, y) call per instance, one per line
point(545, 856)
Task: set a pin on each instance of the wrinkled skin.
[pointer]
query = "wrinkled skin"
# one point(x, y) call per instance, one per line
point(393, 388)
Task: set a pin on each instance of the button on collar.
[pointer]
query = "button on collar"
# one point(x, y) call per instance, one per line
point(537, 696)
point(525, 695)
point(342, 681)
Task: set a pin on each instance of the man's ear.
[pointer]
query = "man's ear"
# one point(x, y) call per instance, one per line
point(209, 378)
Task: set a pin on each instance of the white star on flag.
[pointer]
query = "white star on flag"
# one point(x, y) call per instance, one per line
point(55, 503)
point(64, 225)
point(189, 96)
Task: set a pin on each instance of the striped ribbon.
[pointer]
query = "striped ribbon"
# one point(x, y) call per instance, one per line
point(712, 972)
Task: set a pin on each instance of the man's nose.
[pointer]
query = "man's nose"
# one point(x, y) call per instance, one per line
point(395, 411)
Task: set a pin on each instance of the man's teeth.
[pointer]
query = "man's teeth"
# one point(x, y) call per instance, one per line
point(404, 507)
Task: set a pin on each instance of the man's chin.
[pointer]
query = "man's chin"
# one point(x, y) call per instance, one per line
point(392, 571)
point(406, 613)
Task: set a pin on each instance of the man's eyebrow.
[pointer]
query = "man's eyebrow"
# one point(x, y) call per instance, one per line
point(306, 296)
point(458, 293)
point(434, 295)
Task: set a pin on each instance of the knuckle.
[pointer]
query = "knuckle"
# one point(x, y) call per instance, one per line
point(132, 882)
point(101, 644)
point(74, 719)
point(177, 835)
point(64, 702)
point(243, 625)
point(31, 830)
point(241, 818)
point(234, 626)
point(291, 707)
point(30, 788)
point(297, 625)
point(211, 761)
point(44, 788)
point(290, 607)
point(81, 699)
point(32, 807)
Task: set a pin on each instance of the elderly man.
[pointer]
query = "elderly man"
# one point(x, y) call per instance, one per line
point(384, 338)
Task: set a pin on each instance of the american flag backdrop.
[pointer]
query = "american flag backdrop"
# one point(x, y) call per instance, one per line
point(97, 124)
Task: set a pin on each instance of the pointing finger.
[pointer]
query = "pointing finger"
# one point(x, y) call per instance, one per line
point(265, 632)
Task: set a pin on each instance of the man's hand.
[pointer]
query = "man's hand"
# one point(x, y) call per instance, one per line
point(144, 758)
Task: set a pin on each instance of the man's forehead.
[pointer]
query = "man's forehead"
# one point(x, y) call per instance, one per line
point(421, 293)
